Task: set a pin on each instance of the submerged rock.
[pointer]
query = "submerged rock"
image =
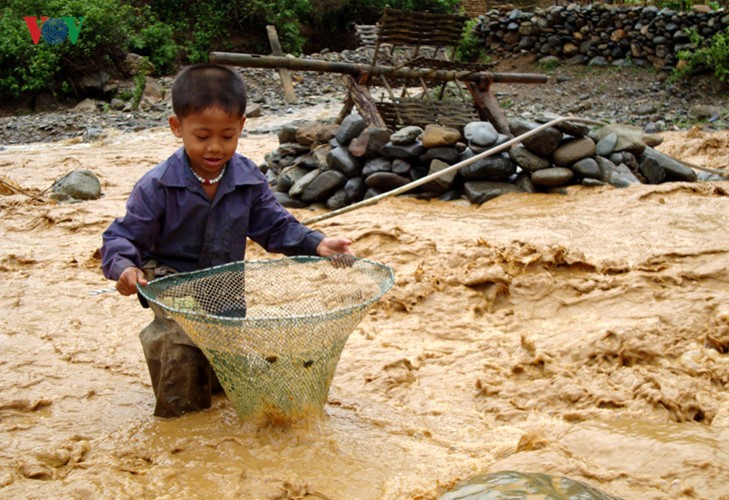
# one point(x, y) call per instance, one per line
point(512, 485)
point(479, 192)
point(79, 185)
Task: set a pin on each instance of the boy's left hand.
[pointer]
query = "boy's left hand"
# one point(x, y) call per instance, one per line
point(334, 246)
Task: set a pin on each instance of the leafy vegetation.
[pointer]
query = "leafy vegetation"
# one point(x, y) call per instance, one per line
point(167, 33)
point(680, 5)
point(27, 68)
point(470, 47)
point(140, 80)
point(549, 65)
point(155, 41)
point(705, 55)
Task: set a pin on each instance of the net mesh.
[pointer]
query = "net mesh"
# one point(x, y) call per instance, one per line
point(273, 330)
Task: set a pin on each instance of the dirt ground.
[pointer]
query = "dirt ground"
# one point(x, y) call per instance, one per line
point(582, 335)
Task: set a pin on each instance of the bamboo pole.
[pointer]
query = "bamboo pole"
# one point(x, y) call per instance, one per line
point(302, 64)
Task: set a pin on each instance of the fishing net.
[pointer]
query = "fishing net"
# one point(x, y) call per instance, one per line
point(273, 330)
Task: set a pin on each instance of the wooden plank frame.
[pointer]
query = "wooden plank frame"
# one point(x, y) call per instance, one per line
point(409, 30)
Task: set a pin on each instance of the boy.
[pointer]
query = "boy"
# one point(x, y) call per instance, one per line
point(193, 211)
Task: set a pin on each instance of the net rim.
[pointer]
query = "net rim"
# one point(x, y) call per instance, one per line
point(384, 287)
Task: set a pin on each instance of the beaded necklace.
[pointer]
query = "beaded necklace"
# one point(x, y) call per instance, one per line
point(207, 182)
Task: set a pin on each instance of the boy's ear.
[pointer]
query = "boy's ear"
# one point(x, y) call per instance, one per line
point(242, 121)
point(175, 126)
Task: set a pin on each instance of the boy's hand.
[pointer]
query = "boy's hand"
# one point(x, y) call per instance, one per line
point(127, 282)
point(338, 251)
point(334, 246)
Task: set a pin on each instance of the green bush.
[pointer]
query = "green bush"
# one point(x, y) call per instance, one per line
point(155, 40)
point(193, 28)
point(706, 55)
point(26, 68)
point(170, 33)
point(284, 14)
point(470, 47)
point(204, 26)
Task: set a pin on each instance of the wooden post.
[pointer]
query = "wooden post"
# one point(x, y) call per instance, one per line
point(347, 108)
point(361, 98)
point(285, 74)
point(487, 105)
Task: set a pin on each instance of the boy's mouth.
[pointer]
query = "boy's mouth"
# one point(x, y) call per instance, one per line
point(213, 162)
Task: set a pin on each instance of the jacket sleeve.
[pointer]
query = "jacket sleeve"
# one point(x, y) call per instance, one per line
point(129, 237)
point(276, 230)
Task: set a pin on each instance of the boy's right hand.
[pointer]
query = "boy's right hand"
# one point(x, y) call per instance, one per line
point(127, 282)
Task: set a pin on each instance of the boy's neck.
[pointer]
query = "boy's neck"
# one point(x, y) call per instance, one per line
point(208, 181)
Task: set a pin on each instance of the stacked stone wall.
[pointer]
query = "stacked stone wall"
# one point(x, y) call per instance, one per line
point(599, 34)
point(337, 165)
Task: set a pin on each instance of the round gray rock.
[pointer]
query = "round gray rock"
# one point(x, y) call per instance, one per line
point(552, 177)
point(573, 151)
point(385, 181)
point(79, 185)
point(325, 185)
point(406, 135)
point(480, 133)
point(587, 167)
point(527, 160)
point(606, 145)
point(352, 125)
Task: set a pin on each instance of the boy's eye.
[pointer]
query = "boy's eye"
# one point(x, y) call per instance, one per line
point(200, 137)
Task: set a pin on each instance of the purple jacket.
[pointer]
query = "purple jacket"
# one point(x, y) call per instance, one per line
point(170, 219)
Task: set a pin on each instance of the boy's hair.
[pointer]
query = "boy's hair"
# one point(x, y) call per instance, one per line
point(201, 86)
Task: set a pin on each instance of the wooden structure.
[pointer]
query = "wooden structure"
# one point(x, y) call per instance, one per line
point(427, 41)
point(414, 71)
point(474, 8)
point(366, 34)
point(288, 86)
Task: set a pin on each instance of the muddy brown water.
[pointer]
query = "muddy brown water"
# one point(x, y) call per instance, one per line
point(582, 335)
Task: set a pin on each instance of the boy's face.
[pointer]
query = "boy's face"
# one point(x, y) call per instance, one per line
point(210, 138)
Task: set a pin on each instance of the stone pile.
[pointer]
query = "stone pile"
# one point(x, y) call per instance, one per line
point(599, 34)
point(338, 165)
